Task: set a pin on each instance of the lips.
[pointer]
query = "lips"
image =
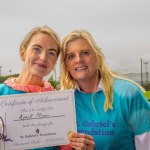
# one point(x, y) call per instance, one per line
point(42, 65)
point(81, 68)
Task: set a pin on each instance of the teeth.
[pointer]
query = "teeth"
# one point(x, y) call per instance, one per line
point(81, 68)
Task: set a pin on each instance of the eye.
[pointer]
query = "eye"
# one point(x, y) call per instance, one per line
point(36, 49)
point(52, 53)
point(70, 56)
point(85, 53)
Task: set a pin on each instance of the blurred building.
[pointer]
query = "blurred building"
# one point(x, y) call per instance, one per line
point(143, 79)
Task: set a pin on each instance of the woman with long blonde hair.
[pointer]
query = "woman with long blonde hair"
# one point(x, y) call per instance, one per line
point(111, 110)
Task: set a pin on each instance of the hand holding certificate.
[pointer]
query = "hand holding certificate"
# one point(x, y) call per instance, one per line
point(37, 119)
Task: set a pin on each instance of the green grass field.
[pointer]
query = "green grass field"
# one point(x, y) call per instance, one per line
point(147, 95)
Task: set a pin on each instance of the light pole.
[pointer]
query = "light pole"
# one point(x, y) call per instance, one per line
point(0, 70)
point(141, 73)
point(10, 72)
point(146, 71)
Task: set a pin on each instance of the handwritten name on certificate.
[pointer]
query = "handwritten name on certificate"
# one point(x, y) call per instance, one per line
point(36, 119)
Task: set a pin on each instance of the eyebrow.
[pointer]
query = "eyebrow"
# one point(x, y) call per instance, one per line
point(69, 53)
point(80, 51)
point(37, 45)
point(51, 49)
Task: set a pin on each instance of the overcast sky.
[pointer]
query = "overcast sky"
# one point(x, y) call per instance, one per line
point(120, 27)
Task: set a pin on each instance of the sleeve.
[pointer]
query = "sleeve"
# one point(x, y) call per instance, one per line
point(142, 141)
point(139, 112)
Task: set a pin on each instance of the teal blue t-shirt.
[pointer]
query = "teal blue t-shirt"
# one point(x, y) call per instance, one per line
point(114, 129)
point(6, 90)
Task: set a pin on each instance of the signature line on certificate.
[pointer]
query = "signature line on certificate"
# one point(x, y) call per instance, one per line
point(37, 116)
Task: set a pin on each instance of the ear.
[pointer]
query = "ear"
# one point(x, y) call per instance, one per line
point(22, 54)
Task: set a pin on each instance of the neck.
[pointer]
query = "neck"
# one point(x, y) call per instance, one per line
point(29, 80)
point(90, 85)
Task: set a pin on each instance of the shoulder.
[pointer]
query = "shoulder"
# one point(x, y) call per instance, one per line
point(125, 89)
point(125, 86)
point(119, 83)
point(4, 89)
point(7, 90)
point(129, 93)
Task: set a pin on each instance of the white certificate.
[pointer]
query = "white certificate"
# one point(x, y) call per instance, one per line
point(36, 119)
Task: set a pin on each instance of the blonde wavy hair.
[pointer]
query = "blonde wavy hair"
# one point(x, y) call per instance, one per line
point(67, 82)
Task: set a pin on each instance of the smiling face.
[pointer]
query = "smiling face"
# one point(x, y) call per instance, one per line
point(40, 55)
point(81, 61)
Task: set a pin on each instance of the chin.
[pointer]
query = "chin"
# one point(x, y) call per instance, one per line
point(40, 74)
point(80, 78)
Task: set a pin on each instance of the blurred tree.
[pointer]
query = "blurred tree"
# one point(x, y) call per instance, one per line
point(54, 83)
point(3, 78)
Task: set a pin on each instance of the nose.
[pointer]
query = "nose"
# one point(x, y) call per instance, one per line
point(78, 59)
point(43, 56)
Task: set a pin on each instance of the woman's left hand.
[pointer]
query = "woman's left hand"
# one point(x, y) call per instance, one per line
point(80, 141)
